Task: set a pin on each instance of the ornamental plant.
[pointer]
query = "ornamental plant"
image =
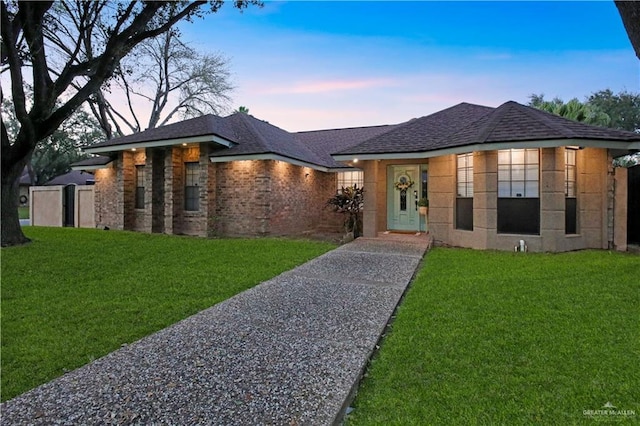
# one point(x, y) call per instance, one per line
point(349, 201)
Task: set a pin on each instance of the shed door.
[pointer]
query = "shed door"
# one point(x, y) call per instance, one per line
point(68, 205)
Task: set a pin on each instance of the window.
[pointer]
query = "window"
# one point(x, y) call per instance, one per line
point(191, 189)
point(518, 173)
point(519, 191)
point(571, 211)
point(464, 199)
point(139, 187)
point(350, 178)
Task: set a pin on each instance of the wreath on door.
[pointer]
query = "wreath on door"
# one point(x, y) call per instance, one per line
point(403, 184)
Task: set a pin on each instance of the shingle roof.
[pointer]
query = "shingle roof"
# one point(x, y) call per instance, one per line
point(76, 177)
point(200, 126)
point(326, 142)
point(514, 122)
point(255, 136)
point(467, 124)
point(422, 134)
point(460, 125)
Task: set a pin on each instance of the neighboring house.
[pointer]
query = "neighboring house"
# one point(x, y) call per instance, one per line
point(24, 183)
point(493, 177)
point(74, 177)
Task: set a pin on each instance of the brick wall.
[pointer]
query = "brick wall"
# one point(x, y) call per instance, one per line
point(298, 196)
point(272, 198)
point(252, 198)
point(106, 198)
point(237, 211)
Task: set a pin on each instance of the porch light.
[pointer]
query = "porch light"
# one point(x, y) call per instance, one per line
point(184, 144)
point(355, 160)
point(133, 149)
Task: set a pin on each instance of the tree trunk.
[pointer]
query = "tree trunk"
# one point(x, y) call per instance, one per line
point(11, 231)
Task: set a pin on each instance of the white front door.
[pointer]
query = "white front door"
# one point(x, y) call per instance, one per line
point(403, 192)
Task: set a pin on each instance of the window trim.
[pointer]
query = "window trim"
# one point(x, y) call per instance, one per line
point(464, 192)
point(519, 167)
point(343, 181)
point(140, 175)
point(571, 191)
point(195, 177)
point(467, 170)
point(519, 212)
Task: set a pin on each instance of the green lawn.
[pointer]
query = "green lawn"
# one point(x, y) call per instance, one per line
point(510, 338)
point(73, 295)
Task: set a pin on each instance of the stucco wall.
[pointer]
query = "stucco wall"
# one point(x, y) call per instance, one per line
point(85, 216)
point(46, 205)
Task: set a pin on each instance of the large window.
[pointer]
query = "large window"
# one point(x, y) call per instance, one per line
point(464, 199)
point(191, 188)
point(350, 178)
point(139, 187)
point(571, 210)
point(519, 191)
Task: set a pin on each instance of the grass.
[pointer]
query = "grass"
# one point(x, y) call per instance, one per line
point(74, 295)
point(508, 338)
point(23, 212)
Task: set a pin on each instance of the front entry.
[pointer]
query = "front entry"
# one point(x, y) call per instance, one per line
point(403, 192)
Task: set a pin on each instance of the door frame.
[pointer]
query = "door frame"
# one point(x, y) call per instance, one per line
point(417, 222)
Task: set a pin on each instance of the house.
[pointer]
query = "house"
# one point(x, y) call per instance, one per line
point(73, 177)
point(24, 183)
point(493, 177)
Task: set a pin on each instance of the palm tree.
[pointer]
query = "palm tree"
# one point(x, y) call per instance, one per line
point(573, 110)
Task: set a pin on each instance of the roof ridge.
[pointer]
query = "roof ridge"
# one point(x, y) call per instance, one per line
point(493, 121)
point(345, 128)
point(245, 118)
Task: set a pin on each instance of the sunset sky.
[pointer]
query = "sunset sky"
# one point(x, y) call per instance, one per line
point(317, 65)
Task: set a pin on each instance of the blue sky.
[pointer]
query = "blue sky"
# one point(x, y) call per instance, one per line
point(316, 65)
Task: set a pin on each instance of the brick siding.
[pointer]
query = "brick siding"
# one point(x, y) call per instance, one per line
point(239, 198)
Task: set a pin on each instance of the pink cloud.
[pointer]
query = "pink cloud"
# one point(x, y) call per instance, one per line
point(328, 86)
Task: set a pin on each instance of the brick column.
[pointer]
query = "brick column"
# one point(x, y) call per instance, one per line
point(620, 208)
point(485, 199)
point(552, 199)
point(126, 190)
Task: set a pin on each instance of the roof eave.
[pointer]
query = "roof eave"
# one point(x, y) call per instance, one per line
point(161, 143)
point(268, 156)
point(92, 167)
point(491, 146)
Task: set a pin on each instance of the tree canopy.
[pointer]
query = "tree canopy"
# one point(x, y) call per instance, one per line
point(66, 50)
point(602, 108)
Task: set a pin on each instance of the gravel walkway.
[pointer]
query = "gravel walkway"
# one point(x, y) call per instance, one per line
point(289, 351)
